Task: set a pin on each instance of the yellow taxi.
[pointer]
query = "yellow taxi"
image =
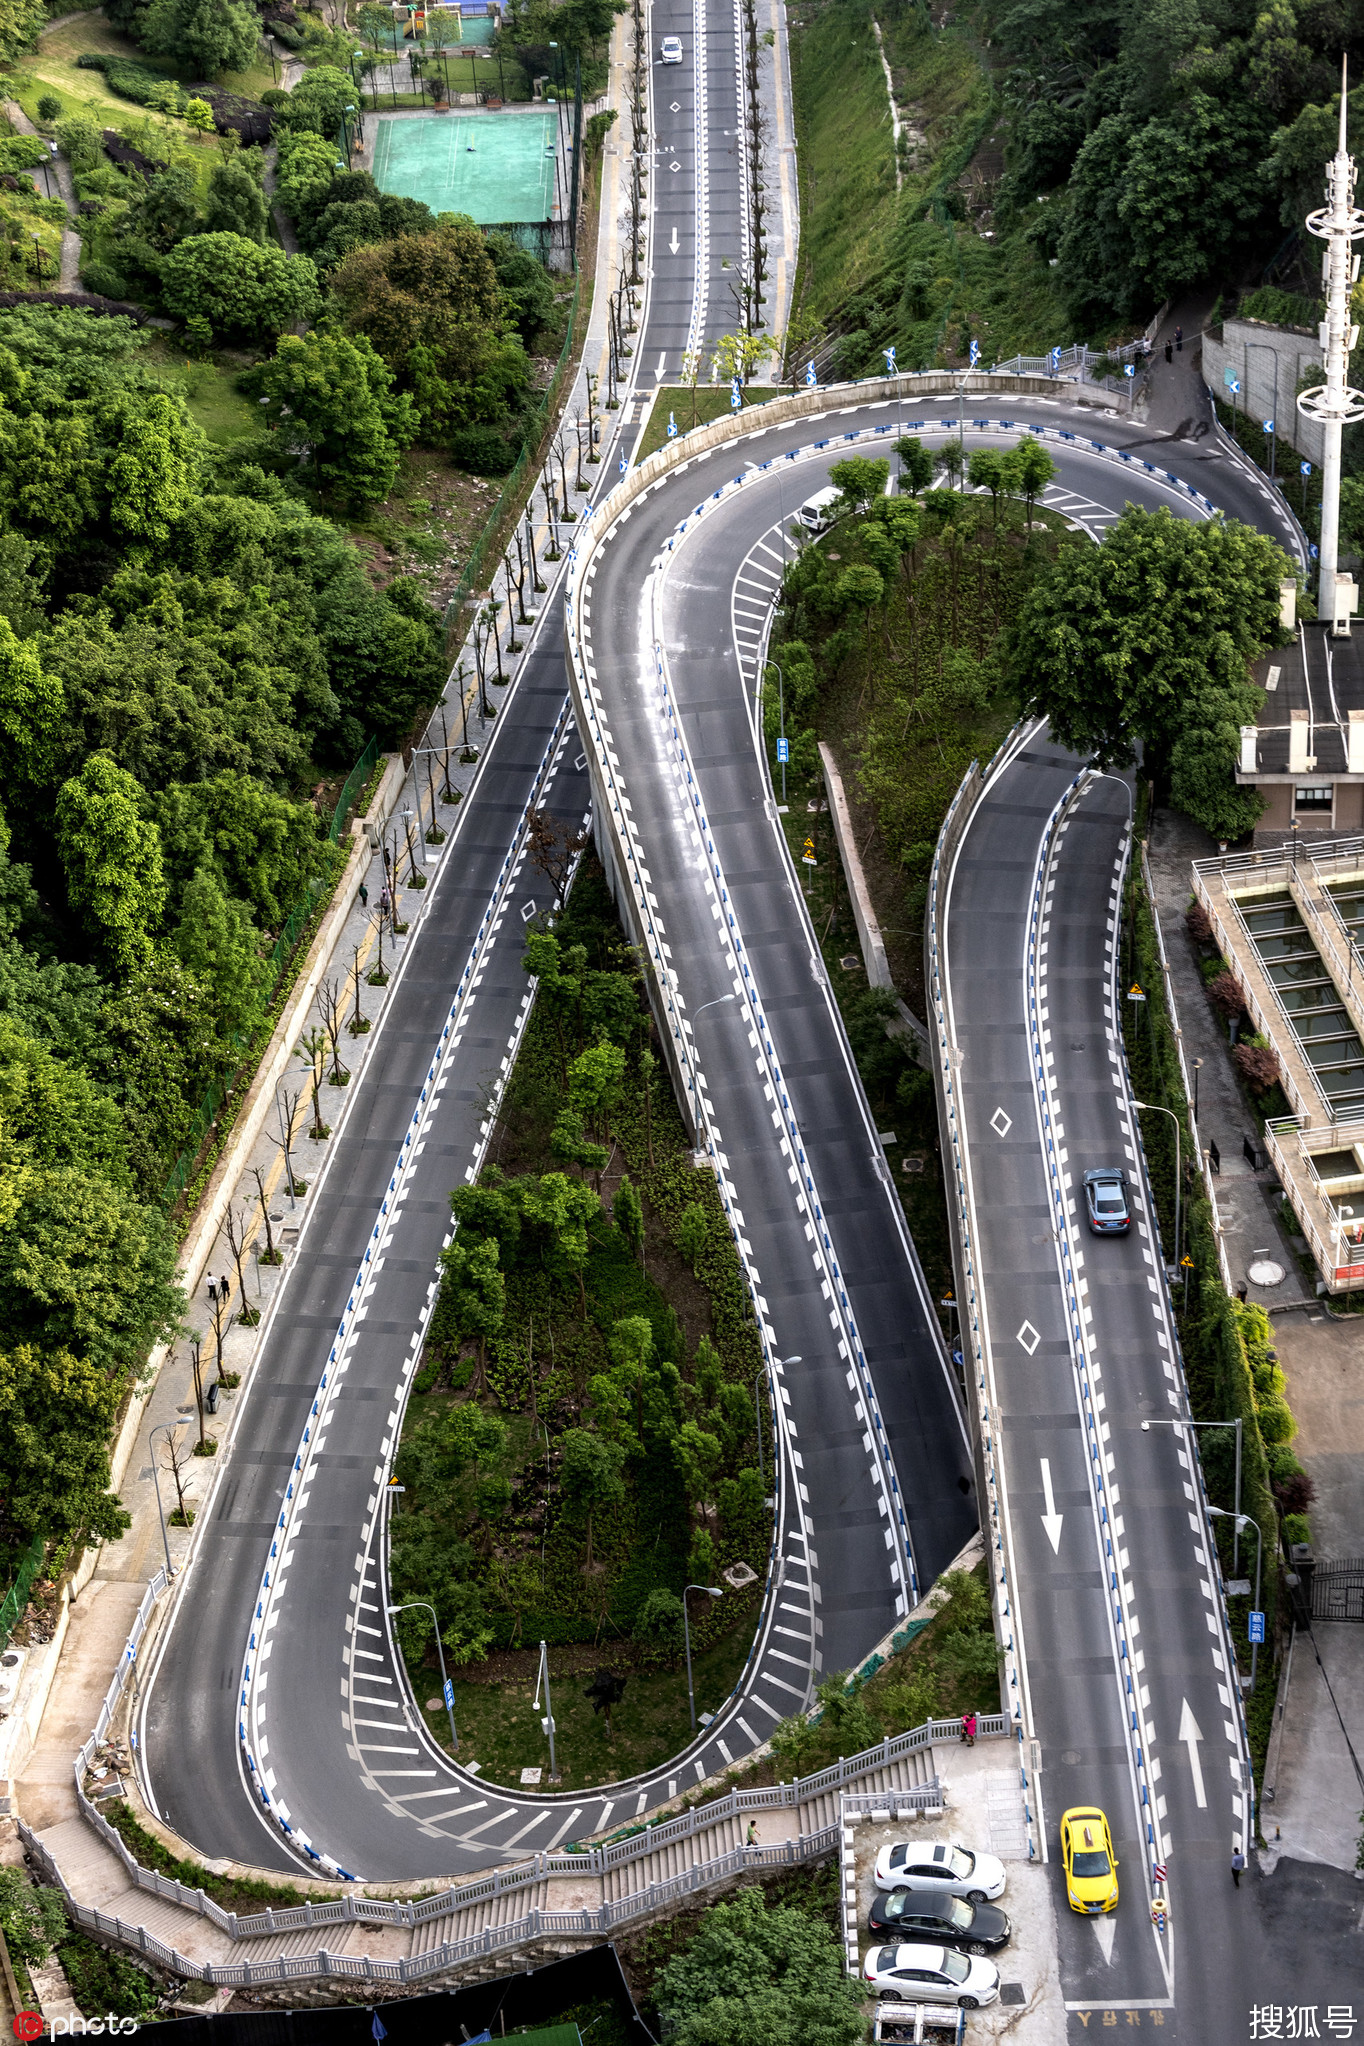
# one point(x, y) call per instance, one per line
point(1091, 1865)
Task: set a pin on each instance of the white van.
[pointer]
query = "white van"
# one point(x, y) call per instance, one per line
point(817, 512)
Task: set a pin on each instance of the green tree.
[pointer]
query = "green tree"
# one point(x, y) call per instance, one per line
point(759, 1974)
point(1026, 471)
point(332, 398)
point(20, 21)
point(986, 472)
point(30, 708)
point(594, 1082)
point(236, 203)
point(80, 143)
point(307, 166)
point(111, 856)
point(690, 1234)
point(590, 1477)
point(739, 355)
point(168, 210)
point(859, 480)
point(153, 474)
point(699, 1457)
point(570, 1142)
point(199, 115)
point(1149, 637)
point(221, 946)
point(203, 37)
point(659, 1620)
point(238, 286)
point(627, 1212)
point(317, 102)
point(49, 107)
point(916, 463)
point(56, 1412)
point(474, 1291)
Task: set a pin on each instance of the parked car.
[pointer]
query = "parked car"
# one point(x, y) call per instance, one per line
point(940, 1865)
point(670, 50)
point(931, 1975)
point(939, 1916)
point(817, 512)
point(1106, 1204)
point(1090, 1863)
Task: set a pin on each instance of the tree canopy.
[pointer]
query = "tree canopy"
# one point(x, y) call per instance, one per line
point(758, 1974)
point(1147, 639)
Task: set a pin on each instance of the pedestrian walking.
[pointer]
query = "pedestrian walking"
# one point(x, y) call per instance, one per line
point(1179, 339)
point(385, 903)
point(1169, 351)
point(364, 896)
point(1238, 1862)
point(968, 1728)
point(751, 1836)
point(212, 1288)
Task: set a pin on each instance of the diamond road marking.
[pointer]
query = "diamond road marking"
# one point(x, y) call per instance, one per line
point(1029, 1337)
point(676, 107)
point(674, 166)
point(1001, 1123)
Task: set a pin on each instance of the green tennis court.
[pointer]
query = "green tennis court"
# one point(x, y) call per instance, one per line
point(494, 167)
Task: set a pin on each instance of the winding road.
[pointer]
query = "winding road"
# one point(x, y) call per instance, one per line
point(276, 1724)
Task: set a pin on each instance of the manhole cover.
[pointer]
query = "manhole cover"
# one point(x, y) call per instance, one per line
point(1264, 1272)
point(434, 1704)
point(850, 962)
point(1011, 1992)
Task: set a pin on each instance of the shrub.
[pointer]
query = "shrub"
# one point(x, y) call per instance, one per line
point(49, 106)
point(1199, 924)
point(1227, 996)
point(21, 153)
point(1258, 1066)
point(1276, 1420)
point(1296, 1528)
point(1294, 1491)
point(481, 450)
point(81, 144)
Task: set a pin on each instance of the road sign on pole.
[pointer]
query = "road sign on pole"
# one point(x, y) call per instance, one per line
point(1256, 1627)
point(1135, 993)
point(783, 750)
point(449, 1693)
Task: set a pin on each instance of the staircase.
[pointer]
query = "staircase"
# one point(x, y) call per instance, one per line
point(549, 1904)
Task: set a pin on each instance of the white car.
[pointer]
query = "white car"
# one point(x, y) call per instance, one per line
point(670, 50)
point(931, 1975)
point(940, 1865)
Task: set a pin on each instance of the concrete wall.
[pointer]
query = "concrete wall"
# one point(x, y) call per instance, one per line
point(1268, 362)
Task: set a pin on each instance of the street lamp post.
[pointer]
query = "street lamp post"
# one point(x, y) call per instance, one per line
point(446, 1688)
point(1247, 1520)
point(543, 1678)
point(712, 1005)
point(1154, 1108)
point(1197, 1069)
point(166, 1428)
point(711, 1591)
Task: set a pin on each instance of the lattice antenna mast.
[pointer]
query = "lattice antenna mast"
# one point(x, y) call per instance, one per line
point(1339, 223)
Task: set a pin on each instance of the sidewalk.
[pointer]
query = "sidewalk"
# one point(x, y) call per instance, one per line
point(1247, 1203)
point(1172, 398)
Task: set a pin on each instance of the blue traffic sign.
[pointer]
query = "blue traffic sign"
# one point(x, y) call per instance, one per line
point(1256, 1631)
point(783, 751)
point(449, 1692)
point(1306, 468)
point(1269, 426)
point(1128, 370)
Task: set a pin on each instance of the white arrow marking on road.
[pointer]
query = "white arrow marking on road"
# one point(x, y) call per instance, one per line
point(673, 243)
point(1104, 1929)
point(1051, 1519)
point(662, 365)
point(1190, 1735)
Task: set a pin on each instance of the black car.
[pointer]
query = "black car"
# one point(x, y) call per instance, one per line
point(1106, 1201)
point(938, 1916)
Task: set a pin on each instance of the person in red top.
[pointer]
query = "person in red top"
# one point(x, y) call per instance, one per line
point(968, 1728)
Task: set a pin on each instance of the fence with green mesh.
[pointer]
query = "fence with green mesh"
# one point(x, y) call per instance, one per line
point(296, 923)
point(16, 1598)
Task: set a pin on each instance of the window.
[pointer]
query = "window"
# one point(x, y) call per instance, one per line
point(1313, 796)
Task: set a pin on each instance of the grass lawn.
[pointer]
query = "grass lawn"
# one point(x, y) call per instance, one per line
point(711, 402)
point(500, 1729)
point(209, 390)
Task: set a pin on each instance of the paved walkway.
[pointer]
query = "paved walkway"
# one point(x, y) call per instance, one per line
point(1246, 1200)
point(69, 277)
point(1172, 397)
